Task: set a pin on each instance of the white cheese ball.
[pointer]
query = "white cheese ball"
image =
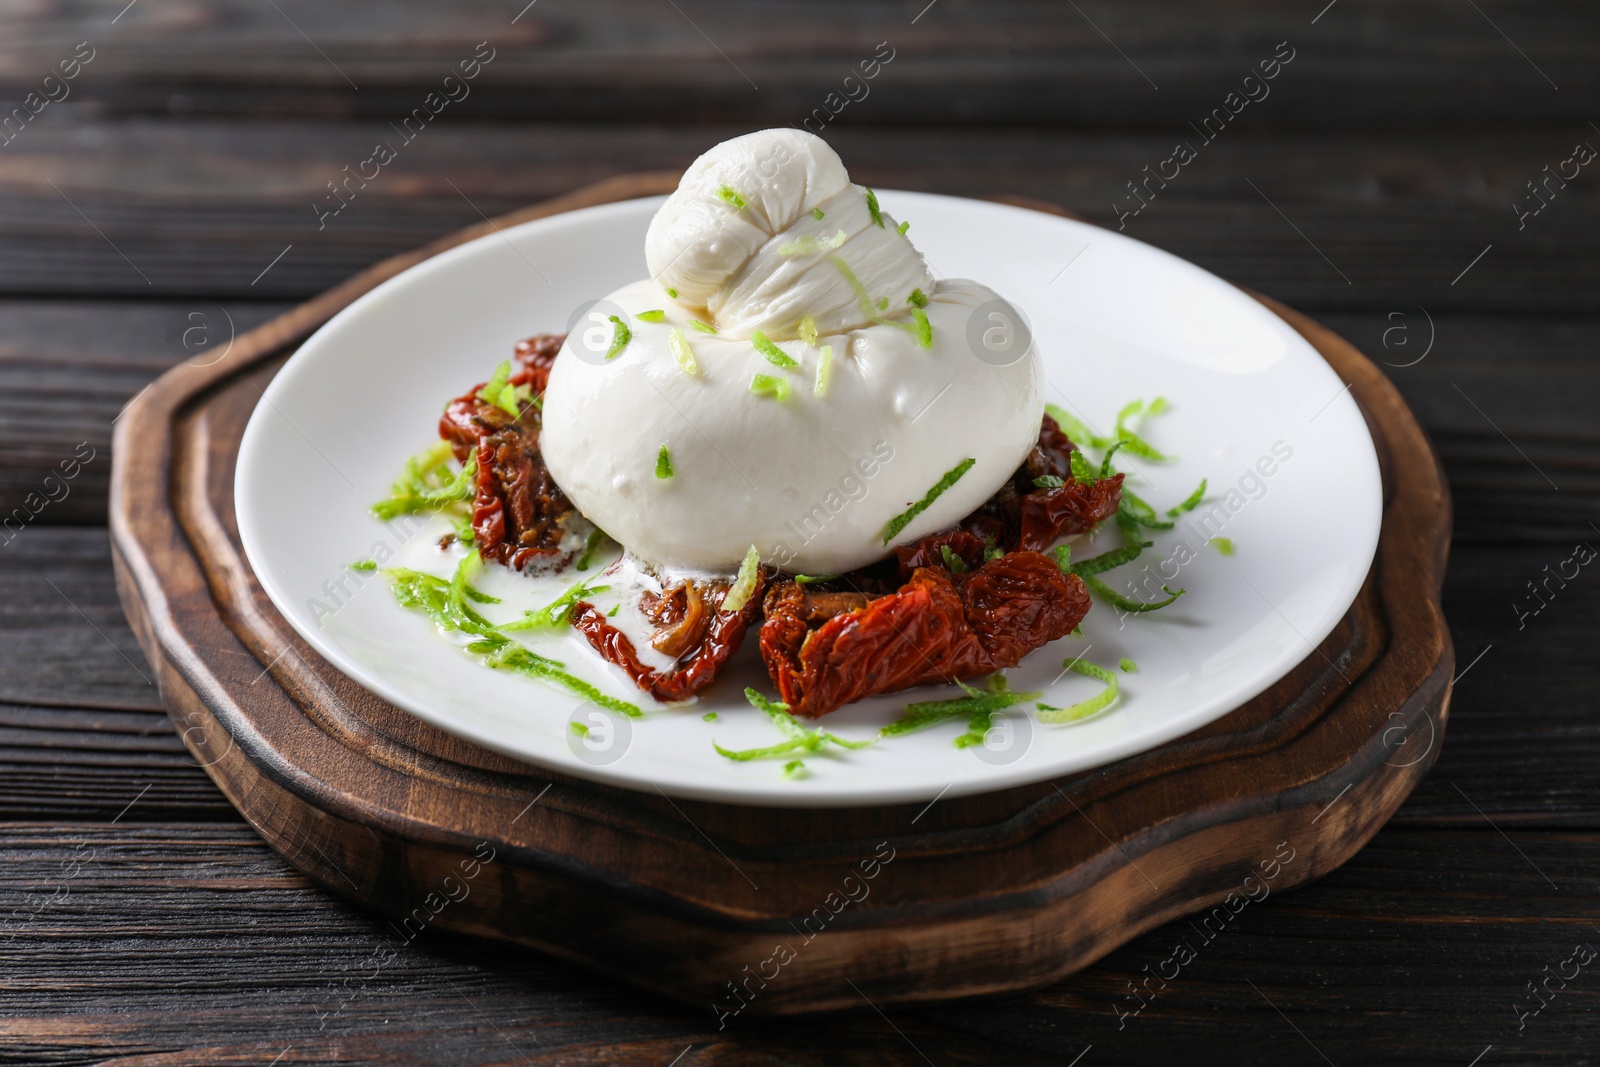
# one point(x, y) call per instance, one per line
point(813, 480)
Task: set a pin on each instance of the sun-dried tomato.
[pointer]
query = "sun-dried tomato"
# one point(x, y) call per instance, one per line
point(938, 627)
point(518, 509)
point(1022, 515)
point(703, 637)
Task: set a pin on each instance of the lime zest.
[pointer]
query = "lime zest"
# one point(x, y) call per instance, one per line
point(709, 716)
point(581, 729)
point(872, 206)
point(557, 613)
point(797, 738)
point(808, 330)
point(1082, 709)
point(1136, 444)
point(917, 298)
point(770, 385)
point(1223, 545)
point(655, 315)
point(1117, 600)
point(445, 603)
point(744, 585)
point(775, 355)
point(614, 609)
point(1127, 665)
point(863, 297)
point(824, 371)
point(902, 520)
point(952, 562)
point(795, 768)
point(672, 292)
point(682, 353)
point(902, 228)
point(731, 197)
point(924, 328)
point(1190, 502)
point(591, 544)
point(817, 214)
point(805, 245)
point(703, 327)
point(1075, 429)
point(807, 579)
point(620, 336)
point(427, 484)
point(365, 565)
point(979, 704)
point(663, 462)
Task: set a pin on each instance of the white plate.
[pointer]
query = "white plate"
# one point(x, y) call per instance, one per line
point(1115, 320)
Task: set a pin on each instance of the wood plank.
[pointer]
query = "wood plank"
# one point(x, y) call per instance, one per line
point(195, 943)
point(63, 638)
point(1398, 216)
point(67, 367)
point(1017, 61)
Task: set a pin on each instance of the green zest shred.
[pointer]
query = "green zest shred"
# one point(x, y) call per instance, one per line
point(672, 292)
point(1223, 545)
point(1126, 603)
point(1084, 709)
point(620, 336)
point(872, 207)
point(1136, 444)
point(426, 484)
point(917, 299)
point(557, 613)
point(663, 463)
point(902, 228)
point(795, 768)
point(1140, 512)
point(808, 579)
point(682, 353)
point(924, 328)
point(703, 327)
point(1127, 665)
point(731, 197)
point(1081, 470)
point(775, 355)
point(709, 716)
point(902, 520)
point(770, 385)
point(591, 544)
point(446, 604)
point(810, 246)
point(744, 586)
point(1074, 428)
point(656, 315)
point(797, 738)
point(817, 214)
point(979, 704)
point(1190, 502)
point(499, 391)
point(364, 565)
point(808, 330)
point(824, 371)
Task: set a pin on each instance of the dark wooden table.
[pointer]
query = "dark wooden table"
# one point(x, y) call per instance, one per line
point(163, 197)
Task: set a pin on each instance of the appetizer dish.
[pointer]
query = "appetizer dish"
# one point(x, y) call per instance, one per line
point(788, 327)
point(746, 493)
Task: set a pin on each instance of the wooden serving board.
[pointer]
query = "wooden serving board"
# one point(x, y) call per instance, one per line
point(762, 910)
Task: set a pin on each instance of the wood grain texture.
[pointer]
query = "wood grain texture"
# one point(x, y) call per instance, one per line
point(193, 944)
point(1370, 63)
point(692, 895)
point(201, 209)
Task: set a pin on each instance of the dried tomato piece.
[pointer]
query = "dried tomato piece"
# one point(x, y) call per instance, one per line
point(518, 509)
point(1026, 517)
point(938, 627)
point(1046, 514)
point(704, 637)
